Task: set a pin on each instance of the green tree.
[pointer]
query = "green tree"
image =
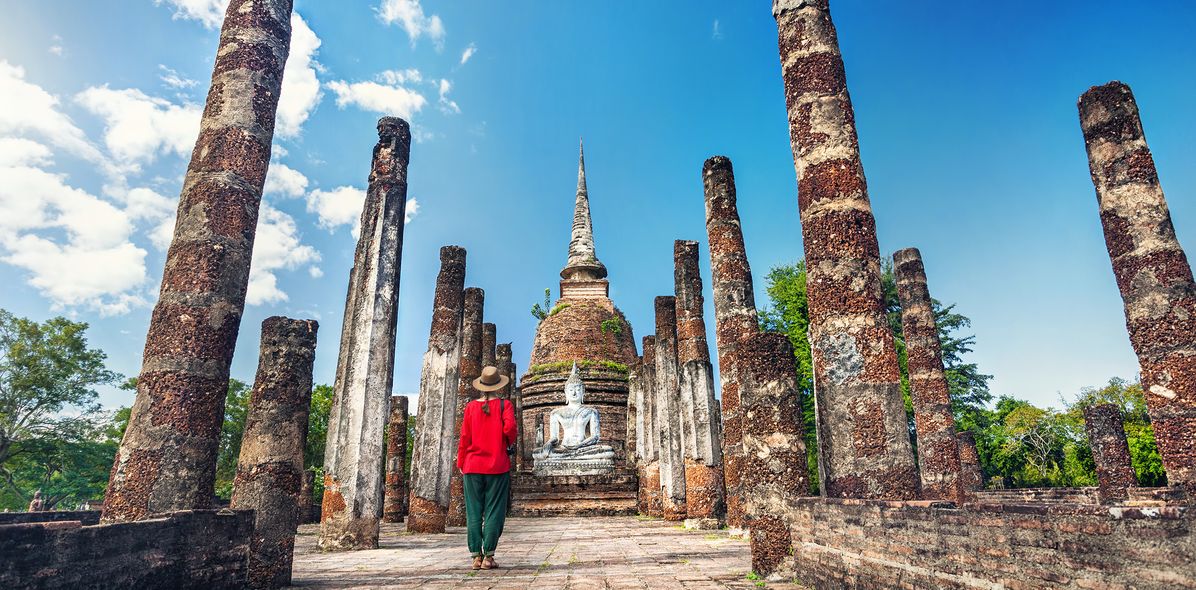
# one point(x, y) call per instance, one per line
point(236, 407)
point(1144, 453)
point(542, 311)
point(48, 381)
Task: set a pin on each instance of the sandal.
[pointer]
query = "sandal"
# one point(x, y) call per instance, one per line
point(477, 562)
point(488, 563)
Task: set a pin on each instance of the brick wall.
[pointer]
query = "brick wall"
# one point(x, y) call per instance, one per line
point(189, 549)
point(864, 544)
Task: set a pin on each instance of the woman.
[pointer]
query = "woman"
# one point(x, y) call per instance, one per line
point(487, 431)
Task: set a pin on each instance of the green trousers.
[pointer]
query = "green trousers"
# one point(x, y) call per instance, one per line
point(485, 510)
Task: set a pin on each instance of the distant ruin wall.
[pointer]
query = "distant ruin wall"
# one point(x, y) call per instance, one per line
point(190, 549)
point(988, 546)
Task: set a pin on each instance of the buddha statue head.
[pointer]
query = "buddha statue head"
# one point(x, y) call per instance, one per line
point(575, 389)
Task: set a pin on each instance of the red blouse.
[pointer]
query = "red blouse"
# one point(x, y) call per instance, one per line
point(485, 438)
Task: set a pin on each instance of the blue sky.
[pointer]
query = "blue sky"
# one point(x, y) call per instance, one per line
point(966, 116)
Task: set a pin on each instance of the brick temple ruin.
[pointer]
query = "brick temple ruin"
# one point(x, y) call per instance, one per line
point(658, 441)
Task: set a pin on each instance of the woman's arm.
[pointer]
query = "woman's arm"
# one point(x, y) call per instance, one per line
point(466, 435)
point(510, 429)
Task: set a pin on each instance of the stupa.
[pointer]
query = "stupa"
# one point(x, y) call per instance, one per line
point(584, 328)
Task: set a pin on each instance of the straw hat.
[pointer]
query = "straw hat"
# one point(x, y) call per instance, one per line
point(490, 380)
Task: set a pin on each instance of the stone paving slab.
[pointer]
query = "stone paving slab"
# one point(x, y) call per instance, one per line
point(578, 553)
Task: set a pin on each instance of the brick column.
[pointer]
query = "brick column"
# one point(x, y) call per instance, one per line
point(353, 477)
point(774, 447)
point(635, 399)
point(306, 492)
point(489, 346)
point(502, 361)
point(668, 411)
point(971, 476)
point(1110, 451)
point(167, 459)
point(734, 310)
point(434, 449)
point(1151, 268)
point(705, 494)
point(471, 368)
point(862, 430)
point(394, 503)
point(650, 501)
point(270, 467)
point(938, 449)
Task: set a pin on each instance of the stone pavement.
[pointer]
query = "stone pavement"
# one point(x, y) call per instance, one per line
point(578, 553)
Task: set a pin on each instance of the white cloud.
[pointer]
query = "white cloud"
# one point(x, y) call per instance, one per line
point(276, 247)
point(137, 127)
point(315, 272)
point(173, 79)
point(716, 31)
point(410, 16)
point(18, 151)
point(145, 204)
point(410, 211)
point(300, 88)
point(284, 180)
point(95, 266)
point(384, 99)
point(447, 105)
point(208, 12)
point(396, 77)
point(56, 46)
point(337, 207)
point(468, 53)
point(29, 109)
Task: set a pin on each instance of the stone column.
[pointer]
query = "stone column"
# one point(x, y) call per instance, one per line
point(635, 395)
point(1151, 268)
point(434, 452)
point(668, 411)
point(502, 361)
point(353, 477)
point(862, 430)
point(938, 449)
point(650, 501)
point(489, 345)
point(394, 503)
point(705, 492)
point(270, 467)
point(471, 368)
point(734, 311)
point(970, 475)
point(1110, 451)
point(774, 447)
point(167, 459)
point(306, 491)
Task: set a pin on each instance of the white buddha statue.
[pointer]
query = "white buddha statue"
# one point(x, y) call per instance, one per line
point(573, 435)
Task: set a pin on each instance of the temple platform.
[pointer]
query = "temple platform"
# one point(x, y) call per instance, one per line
point(613, 494)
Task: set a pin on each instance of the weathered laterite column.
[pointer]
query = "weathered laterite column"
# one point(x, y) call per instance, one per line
point(489, 345)
point(774, 447)
point(435, 449)
point(635, 400)
point(167, 459)
point(705, 492)
point(938, 449)
point(668, 411)
point(270, 466)
point(1151, 268)
point(650, 500)
point(471, 368)
point(971, 476)
point(353, 478)
point(862, 430)
point(1110, 451)
point(394, 503)
point(306, 491)
point(734, 311)
point(502, 361)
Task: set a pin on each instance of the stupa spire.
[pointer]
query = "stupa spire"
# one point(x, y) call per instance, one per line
point(583, 259)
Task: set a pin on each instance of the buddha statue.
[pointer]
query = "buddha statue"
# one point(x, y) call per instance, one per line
point(573, 435)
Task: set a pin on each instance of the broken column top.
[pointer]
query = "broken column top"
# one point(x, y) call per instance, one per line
point(666, 316)
point(691, 325)
point(649, 344)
